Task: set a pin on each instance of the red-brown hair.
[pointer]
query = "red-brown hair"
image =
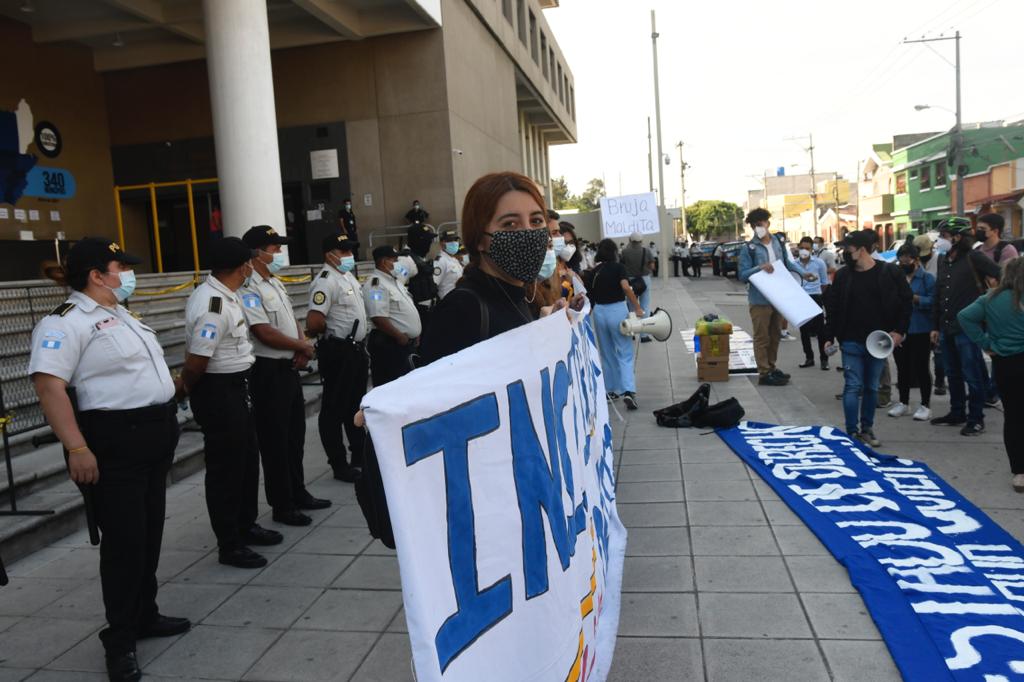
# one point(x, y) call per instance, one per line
point(482, 203)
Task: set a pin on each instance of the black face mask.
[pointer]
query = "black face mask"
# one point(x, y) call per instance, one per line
point(848, 258)
point(908, 268)
point(980, 236)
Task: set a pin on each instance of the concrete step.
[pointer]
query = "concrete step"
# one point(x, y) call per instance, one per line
point(41, 483)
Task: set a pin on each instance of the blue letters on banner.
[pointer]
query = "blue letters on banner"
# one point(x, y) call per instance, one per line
point(50, 183)
point(943, 582)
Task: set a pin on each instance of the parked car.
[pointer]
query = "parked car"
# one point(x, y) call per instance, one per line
point(706, 249)
point(730, 257)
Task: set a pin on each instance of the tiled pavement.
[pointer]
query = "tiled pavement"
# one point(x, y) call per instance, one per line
point(722, 581)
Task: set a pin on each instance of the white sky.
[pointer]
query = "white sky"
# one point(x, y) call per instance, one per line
point(740, 76)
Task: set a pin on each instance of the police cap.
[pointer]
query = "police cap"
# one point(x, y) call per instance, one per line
point(94, 253)
point(228, 253)
point(385, 251)
point(262, 236)
point(450, 236)
point(420, 232)
point(340, 241)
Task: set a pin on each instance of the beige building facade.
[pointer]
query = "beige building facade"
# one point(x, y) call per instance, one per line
point(382, 102)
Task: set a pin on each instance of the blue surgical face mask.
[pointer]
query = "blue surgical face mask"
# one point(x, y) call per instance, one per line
point(548, 267)
point(942, 246)
point(278, 261)
point(401, 272)
point(451, 248)
point(346, 264)
point(127, 285)
point(558, 243)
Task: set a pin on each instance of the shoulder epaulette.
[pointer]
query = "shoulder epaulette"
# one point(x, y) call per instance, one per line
point(63, 309)
point(375, 282)
point(216, 302)
point(324, 274)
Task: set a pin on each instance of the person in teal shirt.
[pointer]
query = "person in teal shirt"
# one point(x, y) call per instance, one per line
point(996, 323)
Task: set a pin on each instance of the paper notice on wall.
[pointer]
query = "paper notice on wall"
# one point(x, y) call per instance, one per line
point(26, 235)
point(785, 295)
point(54, 216)
point(314, 214)
point(324, 163)
point(21, 215)
point(33, 215)
point(4, 214)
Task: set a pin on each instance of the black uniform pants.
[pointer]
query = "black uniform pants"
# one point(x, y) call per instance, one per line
point(280, 412)
point(344, 368)
point(912, 367)
point(134, 450)
point(695, 264)
point(811, 328)
point(388, 360)
point(220, 403)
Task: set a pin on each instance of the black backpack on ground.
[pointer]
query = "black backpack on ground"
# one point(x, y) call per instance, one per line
point(696, 412)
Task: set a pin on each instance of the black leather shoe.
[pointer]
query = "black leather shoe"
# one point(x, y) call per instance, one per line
point(123, 667)
point(313, 503)
point(243, 557)
point(165, 626)
point(292, 517)
point(809, 362)
point(258, 535)
point(348, 475)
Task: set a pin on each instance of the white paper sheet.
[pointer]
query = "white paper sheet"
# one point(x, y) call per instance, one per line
point(786, 295)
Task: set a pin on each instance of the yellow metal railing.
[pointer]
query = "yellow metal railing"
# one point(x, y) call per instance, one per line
point(152, 187)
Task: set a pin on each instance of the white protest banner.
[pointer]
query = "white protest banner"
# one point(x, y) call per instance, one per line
point(497, 463)
point(622, 216)
point(786, 295)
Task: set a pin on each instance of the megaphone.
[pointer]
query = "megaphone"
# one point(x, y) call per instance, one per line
point(658, 325)
point(879, 344)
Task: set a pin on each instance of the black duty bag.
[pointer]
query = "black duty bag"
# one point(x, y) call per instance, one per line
point(723, 415)
point(372, 500)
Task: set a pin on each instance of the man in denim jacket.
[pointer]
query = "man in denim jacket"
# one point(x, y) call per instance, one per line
point(755, 256)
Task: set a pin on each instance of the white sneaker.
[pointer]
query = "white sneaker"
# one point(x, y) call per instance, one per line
point(1018, 483)
point(922, 414)
point(898, 410)
point(786, 336)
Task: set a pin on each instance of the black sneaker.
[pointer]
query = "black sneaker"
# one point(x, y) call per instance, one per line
point(242, 557)
point(772, 380)
point(973, 429)
point(781, 374)
point(612, 395)
point(949, 420)
point(809, 362)
point(824, 364)
point(258, 535)
point(629, 398)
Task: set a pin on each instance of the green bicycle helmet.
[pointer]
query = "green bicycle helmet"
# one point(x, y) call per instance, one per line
point(956, 225)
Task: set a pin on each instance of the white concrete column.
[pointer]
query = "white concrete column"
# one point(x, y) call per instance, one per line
point(244, 119)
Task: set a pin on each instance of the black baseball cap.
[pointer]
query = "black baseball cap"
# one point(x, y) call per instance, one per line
point(228, 253)
point(95, 253)
point(385, 251)
point(862, 239)
point(263, 235)
point(339, 241)
point(419, 231)
point(450, 236)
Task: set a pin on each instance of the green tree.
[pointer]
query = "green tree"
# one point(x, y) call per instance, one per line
point(712, 218)
point(589, 200)
point(560, 194)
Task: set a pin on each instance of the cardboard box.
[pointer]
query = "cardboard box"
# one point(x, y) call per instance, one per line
point(713, 370)
point(714, 346)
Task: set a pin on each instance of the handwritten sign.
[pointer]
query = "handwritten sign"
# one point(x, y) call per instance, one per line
point(622, 216)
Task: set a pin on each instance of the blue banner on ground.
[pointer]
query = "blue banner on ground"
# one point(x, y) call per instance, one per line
point(943, 582)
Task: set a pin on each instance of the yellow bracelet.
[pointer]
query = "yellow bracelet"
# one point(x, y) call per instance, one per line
point(78, 449)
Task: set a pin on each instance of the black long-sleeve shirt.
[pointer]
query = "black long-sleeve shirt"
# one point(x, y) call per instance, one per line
point(862, 301)
point(957, 285)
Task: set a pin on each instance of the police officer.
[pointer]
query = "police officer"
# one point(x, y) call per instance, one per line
point(281, 349)
point(447, 265)
point(417, 215)
point(347, 223)
point(218, 360)
point(421, 285)
point(396, 322)
point(123, 440)
point(338, 316)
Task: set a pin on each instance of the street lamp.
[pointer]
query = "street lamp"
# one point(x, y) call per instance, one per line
point(922, 107)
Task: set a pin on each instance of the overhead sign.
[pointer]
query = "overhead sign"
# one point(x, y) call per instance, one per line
point(497, 463)
point(622, 216)
point(944, 583)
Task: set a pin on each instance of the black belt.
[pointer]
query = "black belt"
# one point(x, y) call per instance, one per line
point(340, 341)
point(230, 378)
point(274, 361)
point(136, 414)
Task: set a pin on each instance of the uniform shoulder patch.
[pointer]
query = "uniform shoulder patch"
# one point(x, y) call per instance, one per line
point(375, 282)
point(216, 303)
point(319, 298)
point(324, 274)
point(251, 300)
point(437, 271)
point(63, 309)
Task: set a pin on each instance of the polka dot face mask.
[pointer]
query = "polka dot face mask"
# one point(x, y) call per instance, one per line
point(519, 253)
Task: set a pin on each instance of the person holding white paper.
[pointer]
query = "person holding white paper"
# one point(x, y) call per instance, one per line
point(757, 256)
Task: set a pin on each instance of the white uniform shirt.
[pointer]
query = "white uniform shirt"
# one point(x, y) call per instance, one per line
point(265, 301)
point(447, 271)
point(385, 297)
point(113, 361)
point(339, 298)
point(215, 328)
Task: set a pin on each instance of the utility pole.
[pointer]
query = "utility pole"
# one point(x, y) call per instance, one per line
point(666, 241)
point(682, 201)
point(859, 179)
point(958, 130)
point(814, 181)
point(835, 198)
point(650, 157)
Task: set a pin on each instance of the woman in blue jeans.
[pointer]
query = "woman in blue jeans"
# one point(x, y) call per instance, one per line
point(609, 290)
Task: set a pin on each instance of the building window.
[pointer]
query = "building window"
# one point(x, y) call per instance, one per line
point(901, 183)
point(544, 55)
point(521, 20)
point(551, 60)
point(940, 174)
point(572, 102)
point(533, 38)
point(926, 177)
point(506, 9)
point(565, 91)
point(913, 174)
